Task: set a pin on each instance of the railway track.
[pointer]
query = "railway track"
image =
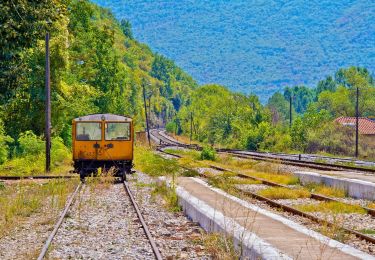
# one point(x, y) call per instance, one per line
point(68, 206)
point(166, 140)
point(287, 208)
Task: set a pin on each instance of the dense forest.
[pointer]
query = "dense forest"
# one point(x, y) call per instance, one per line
point(98, 67)
point(256, 46)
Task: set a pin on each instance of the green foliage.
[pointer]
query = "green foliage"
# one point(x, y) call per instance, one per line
point(126, 28)
point(29, 158)
point(169, 195)
point(298, 134)
point(30, 144)
point(155, 165)
point(208, 153)
point(171, 127)
point(279, 44)
point(4, 141)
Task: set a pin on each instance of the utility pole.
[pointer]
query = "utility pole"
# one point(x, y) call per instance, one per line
point(191, 127)
point(48, 108)
point(356, 125)
point(144, 102)
point(290, 110)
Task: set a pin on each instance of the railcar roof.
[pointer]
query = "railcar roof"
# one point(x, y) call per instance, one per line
point(99, 117)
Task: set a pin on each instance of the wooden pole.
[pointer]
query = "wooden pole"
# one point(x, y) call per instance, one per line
point(48, 108)
point(357, 124)
point(147, 127)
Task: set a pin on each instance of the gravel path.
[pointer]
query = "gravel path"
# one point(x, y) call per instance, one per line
point(175, 235)
point(101, 225)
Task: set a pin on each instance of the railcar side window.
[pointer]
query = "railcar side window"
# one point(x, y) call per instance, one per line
point(88, 131)
point(117, 131)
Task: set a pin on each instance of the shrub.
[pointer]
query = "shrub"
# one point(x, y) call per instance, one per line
point(30, 144)
point(208, 153)
point(170, 127)
point(4, 140)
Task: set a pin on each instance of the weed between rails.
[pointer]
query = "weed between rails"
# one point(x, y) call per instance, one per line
point(332, 207)
point(325, 190)
point(169, 196)
point(104, 179)
point(147, 161)
point(22, 200)
point(284, 193)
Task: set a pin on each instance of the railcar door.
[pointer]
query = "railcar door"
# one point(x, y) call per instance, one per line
point(118, 141)
point(88, 140)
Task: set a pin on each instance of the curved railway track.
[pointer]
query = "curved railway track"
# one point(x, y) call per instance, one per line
point(68, 205)
point(166, 140)
point(287, 208)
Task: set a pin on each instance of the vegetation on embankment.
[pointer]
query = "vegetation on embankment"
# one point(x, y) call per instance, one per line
point(23, 199)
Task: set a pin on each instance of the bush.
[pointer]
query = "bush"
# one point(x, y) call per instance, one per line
point(170, 127)
point(4, 140)
point(30, 144)
point(208, 153)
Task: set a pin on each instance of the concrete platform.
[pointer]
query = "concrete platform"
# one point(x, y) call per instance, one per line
point(260, 233)
point(357, 186)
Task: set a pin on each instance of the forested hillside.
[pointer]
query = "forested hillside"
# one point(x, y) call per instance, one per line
point(256, 46)
point(229, 119)
point(96, 66)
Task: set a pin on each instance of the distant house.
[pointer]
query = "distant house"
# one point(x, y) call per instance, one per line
point(366, 126)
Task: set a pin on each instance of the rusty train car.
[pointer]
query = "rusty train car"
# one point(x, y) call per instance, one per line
point(103, 141)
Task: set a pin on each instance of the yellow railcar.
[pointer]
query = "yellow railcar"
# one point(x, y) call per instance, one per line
point(103, 141)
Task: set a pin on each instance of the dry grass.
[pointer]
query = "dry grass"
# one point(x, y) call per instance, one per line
point(169, 196)
point(371, 205)
point(326, 190)
point(104, 179)
point(219, 246)
point(284, 193)
point(21, 200)
point(332, 207)
point(286, 179)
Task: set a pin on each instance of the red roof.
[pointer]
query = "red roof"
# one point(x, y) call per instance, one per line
point(366, 126)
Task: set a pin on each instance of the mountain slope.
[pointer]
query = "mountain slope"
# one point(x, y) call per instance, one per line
point(256, 46)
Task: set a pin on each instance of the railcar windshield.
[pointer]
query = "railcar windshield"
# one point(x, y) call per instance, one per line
point(88, 131)
point(117, 131)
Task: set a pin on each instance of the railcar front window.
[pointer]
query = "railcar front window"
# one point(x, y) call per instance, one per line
point(86, 131)
point(117, 131)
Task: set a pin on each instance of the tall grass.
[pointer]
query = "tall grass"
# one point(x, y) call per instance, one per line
point(153, 164)
point(29, 157)
point(332, 207)
point(284, 193)
point(169, 196)
point(22, 200)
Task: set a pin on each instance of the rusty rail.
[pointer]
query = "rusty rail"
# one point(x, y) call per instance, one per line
point(58, 223)
point(144, 225)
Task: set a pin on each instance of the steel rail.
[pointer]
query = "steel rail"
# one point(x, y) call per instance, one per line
point(270, 183)
point(291, 209)
point(294, 210)
point(262, 157)
point(37, 177)
point(58, 223)
point(144, 225)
